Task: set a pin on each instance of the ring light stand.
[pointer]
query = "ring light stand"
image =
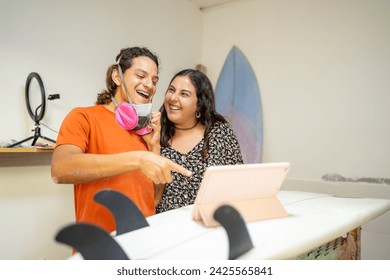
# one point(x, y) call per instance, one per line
point(34, 115)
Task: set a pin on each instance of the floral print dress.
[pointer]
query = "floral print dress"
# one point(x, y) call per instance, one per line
point(224, 149)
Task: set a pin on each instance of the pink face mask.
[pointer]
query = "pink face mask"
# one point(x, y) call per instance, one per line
point(133, 116)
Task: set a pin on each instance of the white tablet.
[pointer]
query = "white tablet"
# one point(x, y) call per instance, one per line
point(250, 188)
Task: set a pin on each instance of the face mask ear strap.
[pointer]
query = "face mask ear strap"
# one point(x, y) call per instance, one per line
point(114, 100)
point(123, 81)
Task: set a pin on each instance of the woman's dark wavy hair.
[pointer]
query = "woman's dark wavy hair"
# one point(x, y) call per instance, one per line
point(205, 106)
point(125, 60)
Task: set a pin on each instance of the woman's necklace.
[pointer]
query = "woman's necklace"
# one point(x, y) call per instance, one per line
point(187, 128)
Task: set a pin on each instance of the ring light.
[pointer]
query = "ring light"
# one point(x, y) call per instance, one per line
point(34, 115)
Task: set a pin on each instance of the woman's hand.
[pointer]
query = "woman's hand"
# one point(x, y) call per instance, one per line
point(153, 139)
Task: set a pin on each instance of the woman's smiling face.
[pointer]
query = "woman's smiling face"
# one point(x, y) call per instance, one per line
point(181, 102)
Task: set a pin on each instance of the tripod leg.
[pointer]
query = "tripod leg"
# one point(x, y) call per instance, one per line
point(48, 139)
point(20, 142)
point(34, 141)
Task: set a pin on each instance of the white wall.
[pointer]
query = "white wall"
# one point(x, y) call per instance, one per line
point(32, 211)
point(322, 68)
point(70, 44)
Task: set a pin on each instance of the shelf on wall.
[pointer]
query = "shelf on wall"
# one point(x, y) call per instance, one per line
point(11, 157)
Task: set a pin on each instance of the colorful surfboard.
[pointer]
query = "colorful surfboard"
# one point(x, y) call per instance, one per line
point(238, 98)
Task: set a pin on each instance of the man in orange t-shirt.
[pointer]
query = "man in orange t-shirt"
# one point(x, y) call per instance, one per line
point(94, 152)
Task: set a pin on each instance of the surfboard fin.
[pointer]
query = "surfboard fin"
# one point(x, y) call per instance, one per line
point(127, 215)
point(239, 239)
point(92, 242)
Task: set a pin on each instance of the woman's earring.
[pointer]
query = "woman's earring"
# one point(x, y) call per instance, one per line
point(197, 114)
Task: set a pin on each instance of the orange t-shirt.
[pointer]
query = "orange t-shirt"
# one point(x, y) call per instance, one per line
point(95, 130)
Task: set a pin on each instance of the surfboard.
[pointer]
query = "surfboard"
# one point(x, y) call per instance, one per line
point(237, 98)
